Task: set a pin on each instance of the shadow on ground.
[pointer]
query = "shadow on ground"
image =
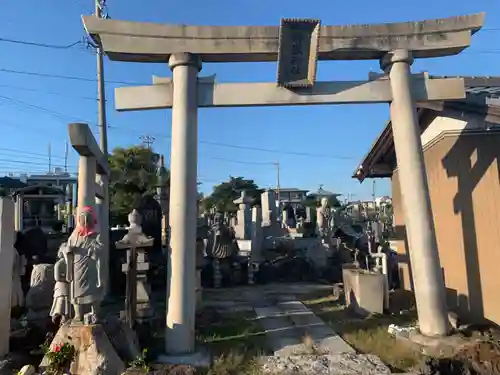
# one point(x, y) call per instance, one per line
point(234, 339)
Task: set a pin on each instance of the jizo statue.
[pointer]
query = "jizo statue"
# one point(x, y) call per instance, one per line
point(83, 256)
point(323, 218)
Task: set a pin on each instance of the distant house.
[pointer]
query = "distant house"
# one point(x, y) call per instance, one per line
point(9, 184)
point(292, 196)
point(35, 207)
point(322, 193)
point(461, 145)
point(58, 178)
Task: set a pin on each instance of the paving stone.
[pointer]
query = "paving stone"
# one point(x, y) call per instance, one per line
point(282, 336)
point(331, 364)
point(324, 337)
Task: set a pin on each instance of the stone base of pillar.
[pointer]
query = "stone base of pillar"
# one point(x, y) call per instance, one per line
point(217, 275)
point(144, 312)
point(199, 291)
point(253, 269)
point(198, 359)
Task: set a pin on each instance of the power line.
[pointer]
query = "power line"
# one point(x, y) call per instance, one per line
point(30, 89)
point(271, 150)
point(49, 111)
point(59, 76)
point(43, 45)
point(240, 161)
point(86, 79)
point(63, 116)
point(29, 153)
point(31, 162)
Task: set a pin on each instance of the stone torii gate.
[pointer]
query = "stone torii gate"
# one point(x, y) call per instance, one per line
point(296, 45)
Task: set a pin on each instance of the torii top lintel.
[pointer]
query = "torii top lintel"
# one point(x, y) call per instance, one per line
point(152, 42)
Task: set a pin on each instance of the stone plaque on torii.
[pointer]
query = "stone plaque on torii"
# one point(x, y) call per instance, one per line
point(186, 47)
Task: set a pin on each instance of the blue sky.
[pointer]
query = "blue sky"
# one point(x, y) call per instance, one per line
point(33, 113)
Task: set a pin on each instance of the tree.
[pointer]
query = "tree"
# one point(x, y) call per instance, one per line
point(224, 194)
point(133, 174)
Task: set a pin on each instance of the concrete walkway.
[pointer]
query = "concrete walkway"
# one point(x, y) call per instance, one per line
point(323, 352)
point(287, 324)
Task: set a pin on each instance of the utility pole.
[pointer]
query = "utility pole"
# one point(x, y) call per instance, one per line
point(50, 157)
point(277, 165)
point(102, 204)
point(147, 141)
point(66, 150)
point(373, 190)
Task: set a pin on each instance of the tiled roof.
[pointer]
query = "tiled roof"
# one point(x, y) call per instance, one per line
point(485, 86)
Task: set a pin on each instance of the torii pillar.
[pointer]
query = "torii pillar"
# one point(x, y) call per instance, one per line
point(427, 276)
point(181, 297)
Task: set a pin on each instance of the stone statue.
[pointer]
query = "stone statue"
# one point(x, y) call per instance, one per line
point(323, 218)
point(61, 310)
point(19, 267)
point(83, 259)
point(135, 236)
point(221, 242)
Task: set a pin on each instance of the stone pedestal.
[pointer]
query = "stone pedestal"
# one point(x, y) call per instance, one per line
point(364, 290)
point(94, 353)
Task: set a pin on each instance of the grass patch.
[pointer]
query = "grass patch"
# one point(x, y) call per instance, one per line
point(368, 335)
point(235, 339)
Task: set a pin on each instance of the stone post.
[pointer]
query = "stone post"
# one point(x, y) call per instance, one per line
point(69, 207)
point(87, 168)
point(7, 237)
point(268, 201)
point(244, 217)
point(284, 219)
point(256, 246)
point(179, 335)
point(102, 207)
point(162, 198)
point(426, 268)
point(138, 279)
point(18, 213)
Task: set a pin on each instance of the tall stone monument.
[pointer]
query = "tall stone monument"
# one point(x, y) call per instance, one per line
point(268, 202)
